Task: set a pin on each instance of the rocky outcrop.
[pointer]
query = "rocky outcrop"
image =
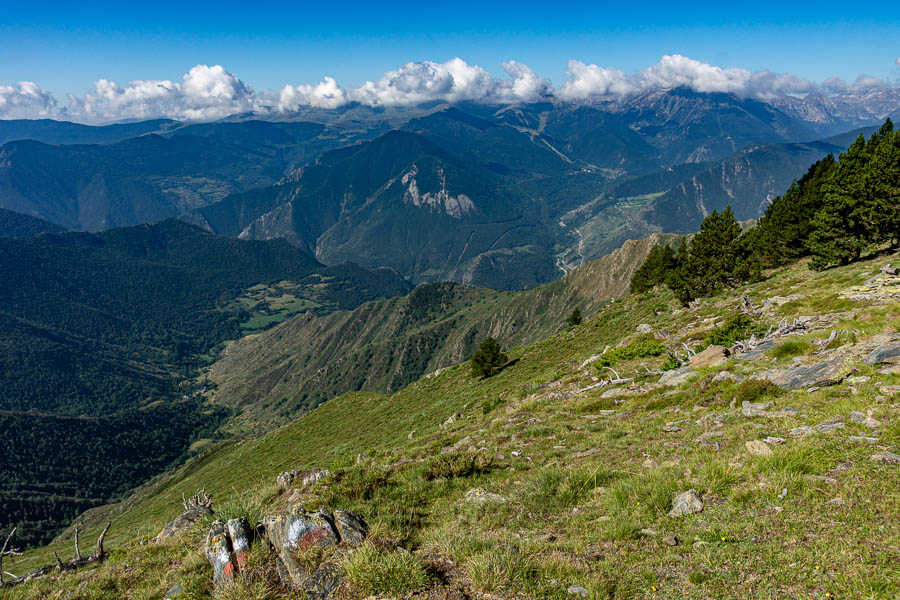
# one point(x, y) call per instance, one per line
point(299, 540)
point(305, 478)
point(711, 357)
point(825, 373)
point(182, 522)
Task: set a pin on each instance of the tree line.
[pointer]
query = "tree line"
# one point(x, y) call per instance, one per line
point(836, 212)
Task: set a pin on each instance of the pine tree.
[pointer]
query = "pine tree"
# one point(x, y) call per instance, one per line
point(575, 318)
point(884, 181)
point(488, 359)
point(656, 269)
point(713, 257)
point(844, 225)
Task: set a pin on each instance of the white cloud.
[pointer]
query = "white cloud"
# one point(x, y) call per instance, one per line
point(211, 92)
point(204, 93)
point(327, 94)
point(27, 101)
point(672, 71)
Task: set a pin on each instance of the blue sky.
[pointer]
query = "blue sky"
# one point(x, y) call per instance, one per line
point(65, 47)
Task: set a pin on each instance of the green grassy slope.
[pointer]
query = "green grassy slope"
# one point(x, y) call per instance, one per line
point(587, 490)
point(384, 345)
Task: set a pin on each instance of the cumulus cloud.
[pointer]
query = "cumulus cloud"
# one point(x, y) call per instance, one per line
point(673, 71)
point(27, 100)
point(211, 92)
point(327, 94)
point(204, 93)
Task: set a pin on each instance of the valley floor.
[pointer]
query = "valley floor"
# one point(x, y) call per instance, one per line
point(544, 482)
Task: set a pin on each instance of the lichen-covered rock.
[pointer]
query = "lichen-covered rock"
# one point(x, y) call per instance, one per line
point(218, 552)
point(182, 522)
point(888, 353)
point(686, 503)
point(480, 496)
point(351, 528)
point(676, 377)
point(293, 533)
point(825, 373)
point(239, 532)
point(758, 448)
point(305, 477)
point(324, 580)
point(713, 356)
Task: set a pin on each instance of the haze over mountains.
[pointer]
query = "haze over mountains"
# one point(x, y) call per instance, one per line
point(501, 195)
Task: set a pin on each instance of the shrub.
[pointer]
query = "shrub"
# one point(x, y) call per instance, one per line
point(457, 464)
point(640, 348)
point(738, 327)
point(575, 318)
point(753, 390)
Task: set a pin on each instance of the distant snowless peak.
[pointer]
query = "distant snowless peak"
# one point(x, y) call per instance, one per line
point(211, 92)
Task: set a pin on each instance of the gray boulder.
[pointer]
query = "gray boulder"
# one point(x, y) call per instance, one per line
point(888, 353)
point(182, 522)
point(294, 533)
point(676, 377)
point(686, 503)
point(802, 377)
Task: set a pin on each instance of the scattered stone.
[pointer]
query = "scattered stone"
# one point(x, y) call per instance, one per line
point(725, 376)
point(644, 328)
point(306, 477)
point(857, 417)
point(649, 532)
point(451, 419)
point(783, 494)
point(584, 453)
point(871, 422)
point(699, 544)
point(481, 496)
point(825, 373)
point(888, 353)
point(686, 503)
point(755, 409)
point(820, 479)
point(577, 590)
point(836, 501)
point(862, 438)
point(758, 448)
point(671, 428)
point(774, 441)
point(650, 463)
point(351, 528)
point(182, 522)
point(801, 431)
point(676, 377)
point(713, 356)
point(670, 540)
point(829, 427)
point(174, 592)
point(889, 390)
point(891, 370)
point(858, 380)
point(888, 458)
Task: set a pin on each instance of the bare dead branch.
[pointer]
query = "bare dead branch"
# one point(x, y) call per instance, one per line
point(77, 551)
point(100, 539)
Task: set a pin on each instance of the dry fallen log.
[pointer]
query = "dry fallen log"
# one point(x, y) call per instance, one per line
point(72, 565)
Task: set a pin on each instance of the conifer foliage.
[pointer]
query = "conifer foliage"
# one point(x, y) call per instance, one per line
point(488, 359)
point(836, 212)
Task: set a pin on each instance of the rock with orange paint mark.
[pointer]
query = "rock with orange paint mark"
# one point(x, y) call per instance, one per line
point(218, 552)
point(239, 532)
point(295, 532)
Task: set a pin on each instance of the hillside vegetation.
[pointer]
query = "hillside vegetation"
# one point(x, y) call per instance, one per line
point(384, 345)
point(576, 476)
